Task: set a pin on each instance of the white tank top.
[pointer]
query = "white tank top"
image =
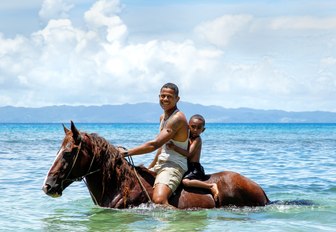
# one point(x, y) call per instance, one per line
point(168, 155)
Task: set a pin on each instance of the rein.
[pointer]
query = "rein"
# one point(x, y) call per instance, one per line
point(130, 161)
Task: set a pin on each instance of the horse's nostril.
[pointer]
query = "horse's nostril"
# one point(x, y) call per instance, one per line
point(46, 188)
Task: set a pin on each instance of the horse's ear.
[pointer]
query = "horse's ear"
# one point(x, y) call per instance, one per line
point(66, 130)
point(75, 132)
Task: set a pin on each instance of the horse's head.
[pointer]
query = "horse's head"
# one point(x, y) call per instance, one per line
point(72, 162)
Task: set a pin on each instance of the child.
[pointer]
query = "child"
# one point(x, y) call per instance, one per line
point(195, 171)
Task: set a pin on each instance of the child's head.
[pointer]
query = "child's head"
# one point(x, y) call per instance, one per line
point(196, 125)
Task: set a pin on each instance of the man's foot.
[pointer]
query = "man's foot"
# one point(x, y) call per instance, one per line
point(215, 192)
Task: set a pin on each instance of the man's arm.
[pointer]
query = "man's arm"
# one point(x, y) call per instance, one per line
point(167, 133)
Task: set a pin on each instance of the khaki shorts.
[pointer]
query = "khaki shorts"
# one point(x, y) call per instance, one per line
point(169, 174)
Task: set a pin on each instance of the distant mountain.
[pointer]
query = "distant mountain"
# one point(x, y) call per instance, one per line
point(150, 112)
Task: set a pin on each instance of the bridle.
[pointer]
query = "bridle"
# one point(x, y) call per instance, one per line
point(89, 172)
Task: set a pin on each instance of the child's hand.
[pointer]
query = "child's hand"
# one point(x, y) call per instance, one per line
point(170, 145)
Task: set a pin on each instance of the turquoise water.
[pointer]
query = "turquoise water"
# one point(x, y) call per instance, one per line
point(294, 163)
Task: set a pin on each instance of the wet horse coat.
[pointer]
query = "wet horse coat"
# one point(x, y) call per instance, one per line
point(113, 182)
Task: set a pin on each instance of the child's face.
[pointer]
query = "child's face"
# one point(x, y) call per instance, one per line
point(196, 127)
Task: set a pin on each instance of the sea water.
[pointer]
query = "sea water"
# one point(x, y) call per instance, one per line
point(294, 163)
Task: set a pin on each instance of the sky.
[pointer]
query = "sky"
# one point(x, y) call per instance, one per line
point(235, 53)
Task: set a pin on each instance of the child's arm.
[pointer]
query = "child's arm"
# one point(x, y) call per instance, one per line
point(194, 148)
point(170, 145)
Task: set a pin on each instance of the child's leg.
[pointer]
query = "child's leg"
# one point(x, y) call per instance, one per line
point(200, 184)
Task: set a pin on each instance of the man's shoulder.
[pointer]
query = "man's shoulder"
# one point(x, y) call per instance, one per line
point(180, 116)
point(179, 119)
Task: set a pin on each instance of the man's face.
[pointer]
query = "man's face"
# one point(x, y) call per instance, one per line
point(168, 99)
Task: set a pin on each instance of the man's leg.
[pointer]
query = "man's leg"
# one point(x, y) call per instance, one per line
point(161, 194)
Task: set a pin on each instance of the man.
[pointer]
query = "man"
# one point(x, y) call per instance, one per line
point(169, 165)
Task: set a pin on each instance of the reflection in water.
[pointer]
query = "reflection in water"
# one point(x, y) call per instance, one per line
point(144, 218)
point(101, 219)
point(80, 216)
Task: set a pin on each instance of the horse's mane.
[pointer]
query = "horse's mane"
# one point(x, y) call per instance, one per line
point(117, 172)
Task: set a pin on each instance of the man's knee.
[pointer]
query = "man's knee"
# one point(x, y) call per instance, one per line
point(160, 200)
point(161, 194)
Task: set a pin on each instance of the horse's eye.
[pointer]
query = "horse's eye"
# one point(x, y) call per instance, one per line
point(68, 147)
point(66, 154)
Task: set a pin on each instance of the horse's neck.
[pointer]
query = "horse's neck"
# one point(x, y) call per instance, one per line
point(116, 185)
point(118, 192)
point(94, 186)
point(103, 191)
point(110, 186)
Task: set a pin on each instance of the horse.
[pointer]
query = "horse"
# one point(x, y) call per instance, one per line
point(114, 182)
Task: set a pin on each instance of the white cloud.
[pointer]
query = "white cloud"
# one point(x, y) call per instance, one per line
point(328, 61)
point(326, 81)
point(304, 23)
point(221, 30)
point(63, 64)
point(53, 9)
point(96, 62)
point(103, 14)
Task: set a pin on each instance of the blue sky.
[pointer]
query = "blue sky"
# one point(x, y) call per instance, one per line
point(257, 54)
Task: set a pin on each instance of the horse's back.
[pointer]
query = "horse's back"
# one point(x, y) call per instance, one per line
point(234, 189)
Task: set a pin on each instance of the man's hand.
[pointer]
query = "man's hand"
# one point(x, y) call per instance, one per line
point(122, 150)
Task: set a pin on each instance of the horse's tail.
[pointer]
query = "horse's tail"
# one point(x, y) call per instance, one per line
point(267, 199)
